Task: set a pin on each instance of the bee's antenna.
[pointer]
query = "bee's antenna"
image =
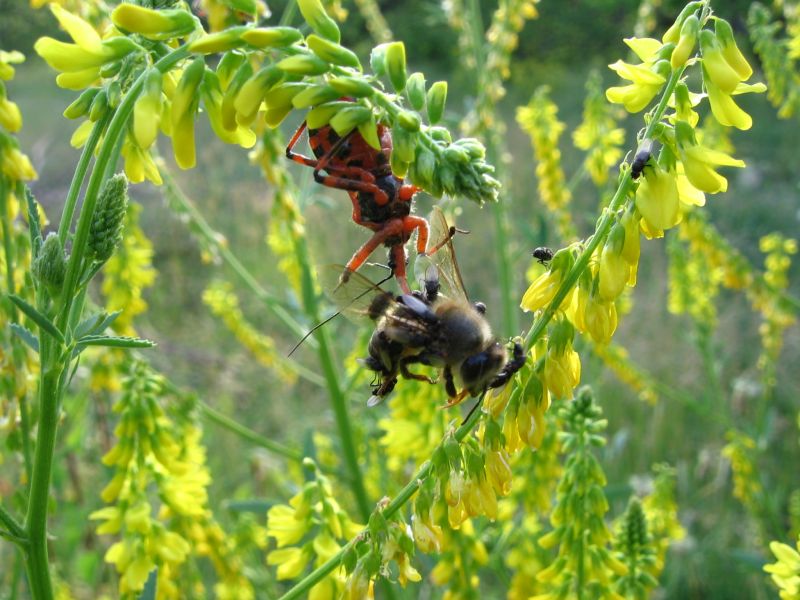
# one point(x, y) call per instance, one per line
point(336, 314)
point(312, 330)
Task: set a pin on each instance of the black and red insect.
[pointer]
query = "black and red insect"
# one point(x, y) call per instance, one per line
point(381, 200)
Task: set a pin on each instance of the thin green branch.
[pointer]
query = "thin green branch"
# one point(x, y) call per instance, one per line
point(11, 524)
point(80, 175)
point(245, 433)
point(212, 238)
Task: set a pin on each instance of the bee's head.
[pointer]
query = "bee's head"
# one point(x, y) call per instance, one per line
point(478, 370)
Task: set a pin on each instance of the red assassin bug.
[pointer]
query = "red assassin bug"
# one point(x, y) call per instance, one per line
point(381, 201)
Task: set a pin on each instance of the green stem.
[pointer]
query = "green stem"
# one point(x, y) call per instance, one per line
point(36, 562)
point(259, 440)
point(329, 371)
point(79, 176)
point(212, 238)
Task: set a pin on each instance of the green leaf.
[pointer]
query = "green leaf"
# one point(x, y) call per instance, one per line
point(34, 226)
point(37, 317)
point(96, 323)
point(149, 590)
point(115, 342)
point(26, 335)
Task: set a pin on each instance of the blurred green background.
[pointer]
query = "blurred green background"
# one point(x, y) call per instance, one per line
point(723, 555)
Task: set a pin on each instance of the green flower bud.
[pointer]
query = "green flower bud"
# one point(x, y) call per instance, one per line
point(228, 67)
point(685, 46)
point(456, 155)
point(332, 52)
point(114, 94)
point(409, 120)
point(425, 164)
point(377, 59)
point(440, 134)
point(673, 33)
point(249, 97)
point(153, 24)
point(99, 105)
point(474, 148)
point(228, 109)
point(185, 98)
point(105, 232)
point(272, 37)
point(118, 47)
point(352, 86)
point(81, 105)
point(395, 61)
point(377, 524)
point(447, 177)
point(275, 116)
point(318, 19)
point(403, 144)
point(369, 131)
point(319, 116)
point(303, 64)
point(415, 90)
point(719, 71)
point(733, 56)
point(221, 41)
point(398, 165)
point(281, 95)
point(437, 96)
point(109, 70)
point(315, 95)
point(50, 266)
point(349, 118)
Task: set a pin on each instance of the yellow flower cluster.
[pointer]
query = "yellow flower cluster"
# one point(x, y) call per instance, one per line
point(311, 527)
point(617, 359)
point(776, 314)
point(220, 297)
point(740, 451)
point(459, 563)
point(151, 450)
point(661, 511)
point(598, 134)
point(579, 529)
point(779, 67)
point(540, 121)
point(128, 273)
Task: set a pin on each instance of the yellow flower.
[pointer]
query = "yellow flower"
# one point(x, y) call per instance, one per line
point(290, 561)
point(601, 320)
point(699, 162)
point(657, 198)
point(153, 24)
point(646, 83)
point(562, 372)
point(81, 32)
point(284, 526)
point(725, 110)
point(786, 571)
point(715, 68)
point(71, 57)
point(614, 270)
point(427, 535)
point(6, 60)
point(10, 117)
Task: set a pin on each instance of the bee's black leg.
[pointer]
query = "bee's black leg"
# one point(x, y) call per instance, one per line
point(449, 383)
point(511, 367)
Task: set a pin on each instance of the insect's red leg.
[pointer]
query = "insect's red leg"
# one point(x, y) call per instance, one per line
point(351, 184)
point(399, 263)
point(362, 254)
point(406, 192)
point(423, 231)
point(457, 400)
point(292, 155)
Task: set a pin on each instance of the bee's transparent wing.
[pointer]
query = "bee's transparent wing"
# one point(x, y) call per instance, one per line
point(356, 296)
point(441, 259)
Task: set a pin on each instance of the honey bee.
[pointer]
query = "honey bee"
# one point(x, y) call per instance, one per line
point(436, 326)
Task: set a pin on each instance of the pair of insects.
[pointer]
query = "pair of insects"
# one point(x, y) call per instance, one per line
point(435, 326)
